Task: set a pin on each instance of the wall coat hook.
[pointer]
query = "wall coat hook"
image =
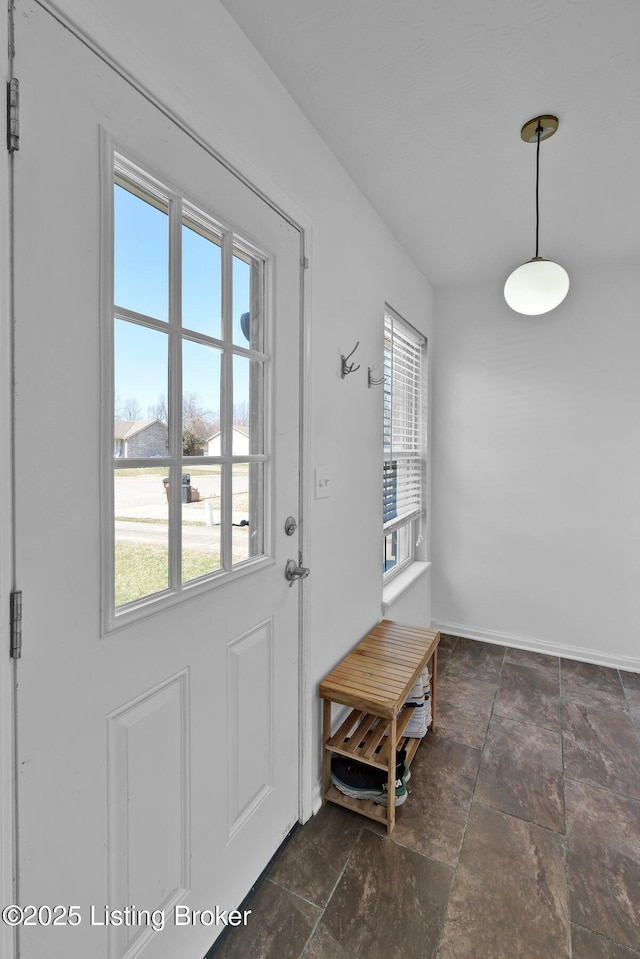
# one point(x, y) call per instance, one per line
point(374, 380)
point(346, 366)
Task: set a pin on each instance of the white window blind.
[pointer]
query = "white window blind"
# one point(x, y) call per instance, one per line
point(404, 433)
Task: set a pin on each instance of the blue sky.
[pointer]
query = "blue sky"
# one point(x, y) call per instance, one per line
point(141, 284)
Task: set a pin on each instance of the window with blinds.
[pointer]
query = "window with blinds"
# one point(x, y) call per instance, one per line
point(404, 441)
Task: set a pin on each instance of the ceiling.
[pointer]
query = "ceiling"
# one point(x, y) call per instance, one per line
point(422, 101)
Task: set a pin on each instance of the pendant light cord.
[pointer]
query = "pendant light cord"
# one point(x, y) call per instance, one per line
point(538, 131)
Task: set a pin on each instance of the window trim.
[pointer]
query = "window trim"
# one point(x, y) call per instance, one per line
point(413, 519)
point(114, 156)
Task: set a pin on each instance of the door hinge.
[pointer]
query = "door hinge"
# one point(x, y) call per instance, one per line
point(13, 115)
point(305, 263)
point(15, 620)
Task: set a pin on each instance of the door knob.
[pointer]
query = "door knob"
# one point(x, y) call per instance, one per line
point(292, 572)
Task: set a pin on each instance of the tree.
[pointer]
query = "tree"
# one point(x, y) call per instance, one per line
point(131, 409)
point(158, 411)
point(241, 414)
point(192, 443)
point(198, 424)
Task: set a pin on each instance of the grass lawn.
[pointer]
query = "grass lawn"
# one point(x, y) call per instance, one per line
point(142, 568)
point(187, 468)
point(143, 471)
point(156, 522)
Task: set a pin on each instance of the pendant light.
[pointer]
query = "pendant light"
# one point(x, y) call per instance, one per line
point(539, 285)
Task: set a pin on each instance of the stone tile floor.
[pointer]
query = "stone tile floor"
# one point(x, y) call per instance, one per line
point(520, 838)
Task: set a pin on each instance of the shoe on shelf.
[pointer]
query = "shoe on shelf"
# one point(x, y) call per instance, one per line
point(401, 794)
point(417, 725)
point(359, 781)
point(416, 696)
point(401, 760)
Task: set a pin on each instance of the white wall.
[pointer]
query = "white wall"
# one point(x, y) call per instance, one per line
point(199, 63)
point(536, 453)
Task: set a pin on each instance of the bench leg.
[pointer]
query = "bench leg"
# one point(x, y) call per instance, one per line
point(391, 777)
point(434, 687)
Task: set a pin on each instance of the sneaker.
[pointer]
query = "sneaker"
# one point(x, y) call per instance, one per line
point(426, 680)
point(416, 696)
point(417, 725)
point(402, 768)
point(360, 781)
point(401, 757)
point(401, 794)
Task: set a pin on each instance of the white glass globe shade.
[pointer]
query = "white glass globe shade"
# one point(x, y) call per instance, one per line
point(536, 287)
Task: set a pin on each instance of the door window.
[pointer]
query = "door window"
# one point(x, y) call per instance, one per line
point(190, 463)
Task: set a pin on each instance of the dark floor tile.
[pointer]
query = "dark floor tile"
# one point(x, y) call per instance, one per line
point(509, 894)
point(603, 862)
point(323, 946)
point(443, 657)
point(631, 686)
point(433, 819)
point(390, 902)
point(521, 772)
point(601, 747)
point(630, 681)
point(590, 684)
point(463, 709)
point(523, 657)
point(314, 858)
point(473, 660)
point(587, 945)
point(461, 691)
point(447, 642)
point(530, 695)
point(278, 927)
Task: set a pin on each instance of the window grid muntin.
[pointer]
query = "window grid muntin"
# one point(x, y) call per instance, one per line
point(140, 184)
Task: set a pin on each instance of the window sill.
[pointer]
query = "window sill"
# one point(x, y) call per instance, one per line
point(392, 590)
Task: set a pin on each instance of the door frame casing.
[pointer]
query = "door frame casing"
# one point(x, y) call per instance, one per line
point(7, 665)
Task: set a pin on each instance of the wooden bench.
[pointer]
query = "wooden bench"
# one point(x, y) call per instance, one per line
point(375, 680)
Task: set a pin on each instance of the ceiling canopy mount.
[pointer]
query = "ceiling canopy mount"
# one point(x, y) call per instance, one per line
point(547, 123)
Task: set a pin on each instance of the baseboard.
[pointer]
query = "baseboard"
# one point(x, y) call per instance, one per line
point(599, 657)
point(338, 714)
point(316, 798)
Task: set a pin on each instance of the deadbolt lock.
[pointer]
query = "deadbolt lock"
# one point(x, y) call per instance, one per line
point(290, 525)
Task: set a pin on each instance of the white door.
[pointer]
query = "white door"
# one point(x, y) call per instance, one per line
point(157, 699)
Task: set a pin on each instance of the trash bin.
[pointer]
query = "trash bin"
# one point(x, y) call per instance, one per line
point(186, 487)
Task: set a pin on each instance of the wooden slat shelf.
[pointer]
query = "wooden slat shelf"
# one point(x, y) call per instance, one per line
point(375, 679)
point(363, 806)
point(411, 745)
point(361, 743)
